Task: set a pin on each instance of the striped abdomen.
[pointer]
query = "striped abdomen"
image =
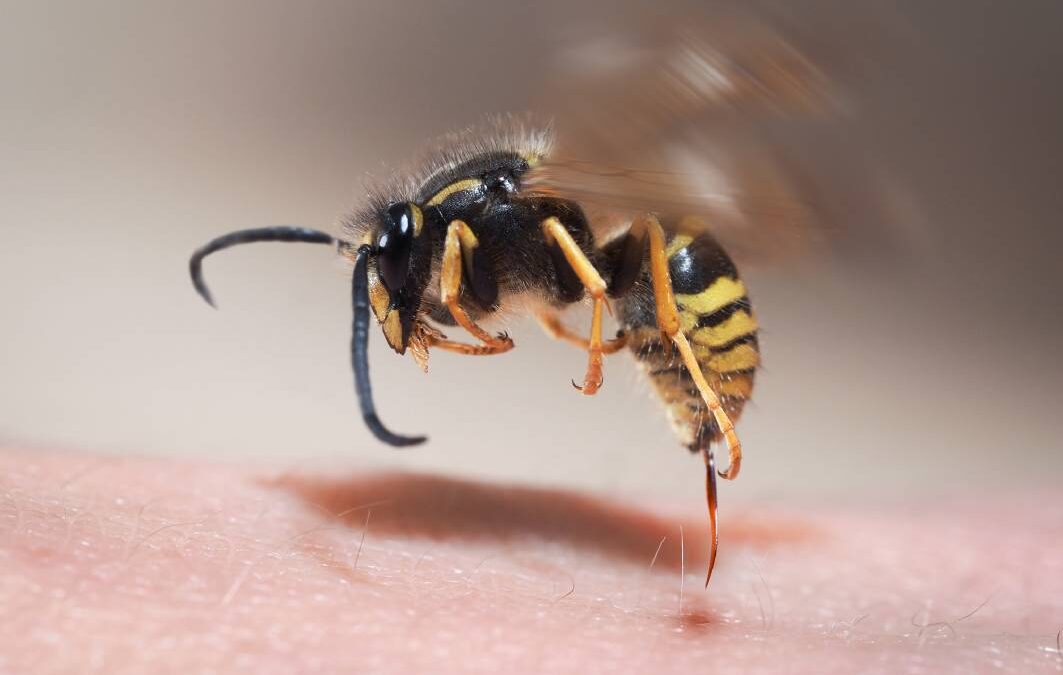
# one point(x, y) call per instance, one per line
point(716, 316)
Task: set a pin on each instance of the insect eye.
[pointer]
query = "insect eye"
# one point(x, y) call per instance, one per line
point(394, 245)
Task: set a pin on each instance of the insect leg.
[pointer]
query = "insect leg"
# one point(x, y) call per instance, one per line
point(557, 235)
point(461, 239)
point(552, 326)
point(464, 347)
point(668, 322)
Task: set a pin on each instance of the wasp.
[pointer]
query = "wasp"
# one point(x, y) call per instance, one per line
point(495, 219)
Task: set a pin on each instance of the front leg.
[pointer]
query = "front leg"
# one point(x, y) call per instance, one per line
point(428, 336)
point(462, 240)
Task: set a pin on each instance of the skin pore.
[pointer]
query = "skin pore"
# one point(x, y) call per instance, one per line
point(123, 565)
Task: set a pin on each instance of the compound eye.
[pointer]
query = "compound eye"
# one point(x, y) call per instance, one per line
point(395, 244)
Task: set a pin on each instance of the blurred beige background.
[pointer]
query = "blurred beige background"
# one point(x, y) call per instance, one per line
point(130, 133)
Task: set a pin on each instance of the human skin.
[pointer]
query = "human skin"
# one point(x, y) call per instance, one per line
point(124, 565)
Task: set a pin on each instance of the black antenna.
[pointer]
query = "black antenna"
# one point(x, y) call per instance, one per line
point(360, 297)
point(360, 354)
point(281, 233)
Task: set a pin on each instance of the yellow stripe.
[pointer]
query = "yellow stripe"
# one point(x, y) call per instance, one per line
point(675, 395)
point(738, 387)
point(729, 361)
point(677, 398)
point(739, 357)
point(739, 324)
point(720, 293)
point(674, 390)
point(734, 406)
point(688, 321)
point(456, 186)
point(679, 243)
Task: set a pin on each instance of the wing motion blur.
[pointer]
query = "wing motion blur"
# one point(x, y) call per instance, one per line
point(729, 120)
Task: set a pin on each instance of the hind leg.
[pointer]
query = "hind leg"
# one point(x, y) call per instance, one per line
point(646, 232)
point(552, 325)
point(646, 229)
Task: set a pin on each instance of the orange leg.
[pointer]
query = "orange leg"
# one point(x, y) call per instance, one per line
point(462, 239)
point(668, 321)
point(463, 347)
point(555, 232)
point(552, 326)
point(723, 420)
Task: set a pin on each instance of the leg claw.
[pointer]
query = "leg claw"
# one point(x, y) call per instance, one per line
point(589, 387)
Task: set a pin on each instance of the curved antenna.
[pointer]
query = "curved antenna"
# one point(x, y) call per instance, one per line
point(360, 354)
point(360, 293)
point(281, 233)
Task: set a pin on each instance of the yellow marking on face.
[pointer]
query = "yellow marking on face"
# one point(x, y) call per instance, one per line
point(676, 245)
point(739, 357)
point(379, 299)
point(390, 322)
point(456, 186)
point(418, 219)
point(739, 324)
point(392, 327)
point(720, 293)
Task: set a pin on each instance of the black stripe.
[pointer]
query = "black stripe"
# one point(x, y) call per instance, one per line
point(723, 314)
point(670, 369)
point(681, 371)
point(698, 265)
point(651, 348)
point(734, 374)
point(747, 339)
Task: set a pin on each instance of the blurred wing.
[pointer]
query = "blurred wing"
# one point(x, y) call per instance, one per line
point(722, 120)
point(757, 210)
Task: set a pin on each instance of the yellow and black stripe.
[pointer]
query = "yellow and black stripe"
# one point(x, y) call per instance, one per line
point(717, 319)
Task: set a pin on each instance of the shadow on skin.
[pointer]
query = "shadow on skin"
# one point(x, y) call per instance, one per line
point(436, 507)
